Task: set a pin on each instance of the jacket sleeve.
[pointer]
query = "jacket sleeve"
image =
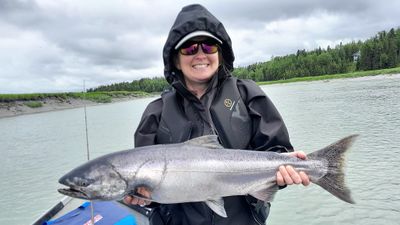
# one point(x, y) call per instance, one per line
point(146, 131)
point(146, 134)
point(269, 130)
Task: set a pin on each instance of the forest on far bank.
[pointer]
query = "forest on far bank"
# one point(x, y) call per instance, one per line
point(379, 52)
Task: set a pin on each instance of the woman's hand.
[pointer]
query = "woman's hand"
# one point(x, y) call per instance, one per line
point(287, 175)
point(138, 201)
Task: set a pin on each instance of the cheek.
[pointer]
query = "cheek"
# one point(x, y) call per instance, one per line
point(181, 62)
point(184, 64)
point(214, 58)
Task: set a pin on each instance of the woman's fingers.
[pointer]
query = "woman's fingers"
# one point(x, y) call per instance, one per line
point(301, 155)
point(279, 179)
point(298, 154)
point(287, 175)
point(304, 178)
point(290, 175)
point(138, 201)
point(127, 199)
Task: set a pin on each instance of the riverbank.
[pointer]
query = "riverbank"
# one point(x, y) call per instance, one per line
point(335, 76)
point(17, 108)
point(22, 104)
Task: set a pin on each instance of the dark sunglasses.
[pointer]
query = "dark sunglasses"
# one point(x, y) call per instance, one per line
point(191, 48)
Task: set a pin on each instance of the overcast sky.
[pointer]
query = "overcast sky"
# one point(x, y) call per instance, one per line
point(53, 45)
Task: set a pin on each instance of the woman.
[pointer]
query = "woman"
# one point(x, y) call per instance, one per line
point(206, 99)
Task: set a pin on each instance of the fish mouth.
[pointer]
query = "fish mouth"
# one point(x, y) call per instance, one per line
point(72, 192)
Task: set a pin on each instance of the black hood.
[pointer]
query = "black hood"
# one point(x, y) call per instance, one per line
point(192, 18)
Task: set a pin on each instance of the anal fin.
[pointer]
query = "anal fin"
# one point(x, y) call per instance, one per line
point(266, 194)
point(217, 206)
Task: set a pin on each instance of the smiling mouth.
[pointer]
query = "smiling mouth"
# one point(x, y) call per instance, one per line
point(200, 66)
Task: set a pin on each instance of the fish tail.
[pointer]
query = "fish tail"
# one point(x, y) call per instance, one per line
point(334, 181)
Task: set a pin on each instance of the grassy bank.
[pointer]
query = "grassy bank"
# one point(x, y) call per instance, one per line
point(335, 76)
point(99, 97)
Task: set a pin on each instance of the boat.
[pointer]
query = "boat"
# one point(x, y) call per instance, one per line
point(68, 210)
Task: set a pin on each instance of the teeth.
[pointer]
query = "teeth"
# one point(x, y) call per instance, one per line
point(200, 66)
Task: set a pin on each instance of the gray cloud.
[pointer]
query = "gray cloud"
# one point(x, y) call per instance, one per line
point(50, 45)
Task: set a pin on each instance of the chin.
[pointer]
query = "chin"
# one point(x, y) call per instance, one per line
point(204, 79)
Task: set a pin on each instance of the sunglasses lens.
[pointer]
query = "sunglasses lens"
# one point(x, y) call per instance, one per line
point(189, 50)
point(209, 48)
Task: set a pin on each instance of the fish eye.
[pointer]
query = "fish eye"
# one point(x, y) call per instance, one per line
point(84, 183)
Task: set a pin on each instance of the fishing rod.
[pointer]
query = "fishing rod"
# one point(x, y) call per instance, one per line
point(87, 145)
point(86, 126)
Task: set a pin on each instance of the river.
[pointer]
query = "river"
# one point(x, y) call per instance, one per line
point(37, 149)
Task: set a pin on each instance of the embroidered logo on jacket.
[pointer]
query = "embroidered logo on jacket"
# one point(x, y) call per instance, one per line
point(228, 103)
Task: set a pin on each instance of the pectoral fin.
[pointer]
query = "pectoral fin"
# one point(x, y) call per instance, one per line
point(217, 206)
point(266, 194)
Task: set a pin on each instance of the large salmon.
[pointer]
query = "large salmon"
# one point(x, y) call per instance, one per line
point(202, 170)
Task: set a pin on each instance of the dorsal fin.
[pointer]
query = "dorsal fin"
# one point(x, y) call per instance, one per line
point(208, 141)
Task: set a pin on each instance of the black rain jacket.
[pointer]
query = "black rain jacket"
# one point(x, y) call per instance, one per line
point(268, 131)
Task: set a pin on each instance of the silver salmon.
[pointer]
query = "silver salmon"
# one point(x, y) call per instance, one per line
point(201, 170)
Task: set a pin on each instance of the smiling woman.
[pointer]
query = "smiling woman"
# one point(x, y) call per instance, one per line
point(198, 64)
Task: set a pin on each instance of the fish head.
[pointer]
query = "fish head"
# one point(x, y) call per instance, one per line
point(94, 181)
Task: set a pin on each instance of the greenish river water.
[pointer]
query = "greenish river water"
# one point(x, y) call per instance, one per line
point(37, 149)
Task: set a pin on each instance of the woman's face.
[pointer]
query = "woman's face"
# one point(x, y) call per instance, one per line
point(198, 68)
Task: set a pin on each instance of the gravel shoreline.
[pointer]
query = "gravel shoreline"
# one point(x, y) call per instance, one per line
point(17, 108)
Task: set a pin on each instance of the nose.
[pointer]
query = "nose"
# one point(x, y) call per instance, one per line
point(200, 53)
